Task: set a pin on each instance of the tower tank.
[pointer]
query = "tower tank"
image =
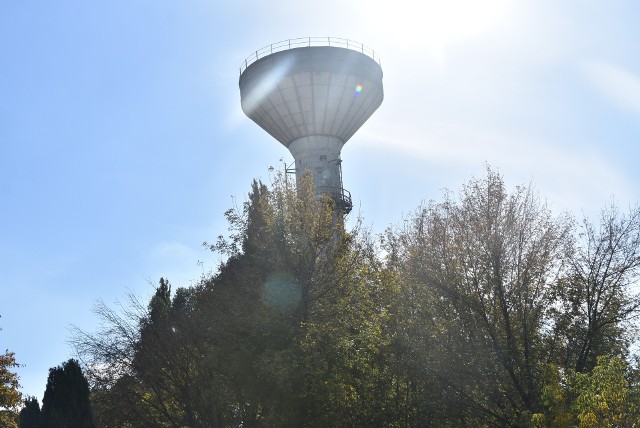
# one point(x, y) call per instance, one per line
point(312, 94)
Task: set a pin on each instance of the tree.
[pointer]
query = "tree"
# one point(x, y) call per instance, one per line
point(144, 365)
point(471, 317)
point(346, 355)
point(478, 276)
point(208, 357)
point(312, 290)
point(30, 415)
point(245, 347)
point(66, 398)
point(602, 397)
point(603, 296)
point(10, 396)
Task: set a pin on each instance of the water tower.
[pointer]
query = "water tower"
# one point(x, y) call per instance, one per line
point(312, 94)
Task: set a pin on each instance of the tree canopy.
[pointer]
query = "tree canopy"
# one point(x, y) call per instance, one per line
point(30, 415)
point(10, 396)
point(483, 309)
point(66, 398)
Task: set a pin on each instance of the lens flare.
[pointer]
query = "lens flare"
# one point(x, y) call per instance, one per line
point(358, 88)
point(282, 291)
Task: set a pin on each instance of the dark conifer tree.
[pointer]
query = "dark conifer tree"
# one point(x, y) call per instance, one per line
point(30, 415)
point(66, 399)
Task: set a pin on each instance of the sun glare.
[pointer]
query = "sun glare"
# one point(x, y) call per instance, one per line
point(436, 23)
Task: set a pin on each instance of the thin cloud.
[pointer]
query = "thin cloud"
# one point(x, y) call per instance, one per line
point(621, 87)
point(573, 180)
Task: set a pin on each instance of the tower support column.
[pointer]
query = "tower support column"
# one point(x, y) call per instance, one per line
point(320, 155)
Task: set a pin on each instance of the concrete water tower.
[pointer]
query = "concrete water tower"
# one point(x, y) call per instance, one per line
point(312, 94)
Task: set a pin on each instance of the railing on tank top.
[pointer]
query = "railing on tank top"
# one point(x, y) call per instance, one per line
point(305, 42)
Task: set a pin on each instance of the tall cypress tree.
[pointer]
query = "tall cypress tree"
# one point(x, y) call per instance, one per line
point(66, 399)
point(30, 415)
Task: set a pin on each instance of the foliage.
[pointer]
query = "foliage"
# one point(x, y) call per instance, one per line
point(599, 303)
point(244, 347)
point(30, 415)
point(602, 397)
point(474, 312)
point(140, 364)
point(10, 396)
point(477, 276)
point(66, 398)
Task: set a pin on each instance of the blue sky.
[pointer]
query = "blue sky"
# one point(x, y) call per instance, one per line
point(122, 141)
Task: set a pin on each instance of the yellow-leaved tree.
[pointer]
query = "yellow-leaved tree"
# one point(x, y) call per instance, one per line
point(10, 397)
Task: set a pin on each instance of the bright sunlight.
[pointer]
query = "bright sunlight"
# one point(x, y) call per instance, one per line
point(434, 24)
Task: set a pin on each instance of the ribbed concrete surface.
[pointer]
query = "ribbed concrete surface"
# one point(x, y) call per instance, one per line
point(308, 91)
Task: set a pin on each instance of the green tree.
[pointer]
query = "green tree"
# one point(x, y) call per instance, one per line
point(9, 394)
point(602, 397)
point(66, 398)
point(147, 364)
point(30, 415)
point(345, 343)
point(245, 346)
point(478, 276)
point(313, 290)
point(215, 355)
point(465, 320)
point(602, 298)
